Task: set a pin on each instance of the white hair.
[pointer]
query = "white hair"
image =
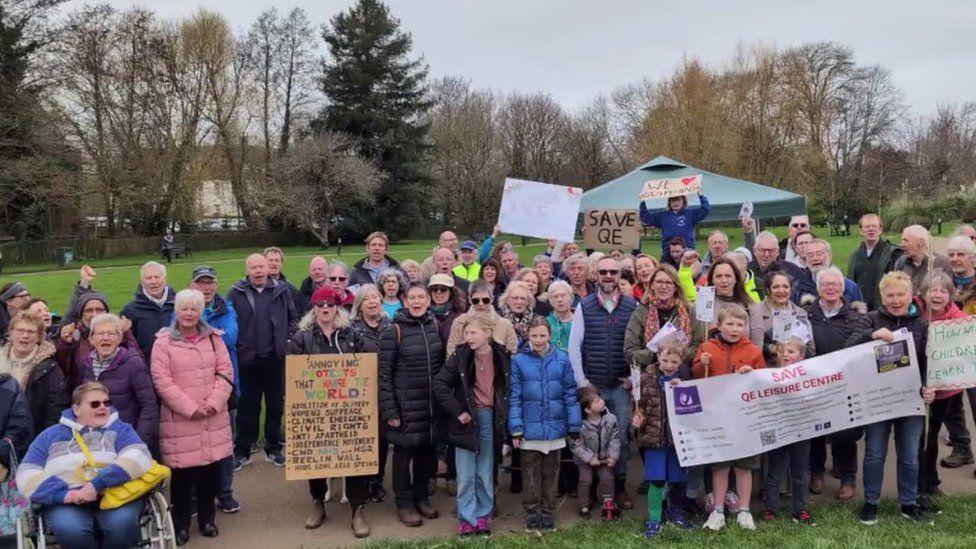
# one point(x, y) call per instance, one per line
point(922, 233)
point(105, 318)
point(338, 265)
point(152, 265)
point(719, 233)
point(560, 285)
point(829, 271)
point(961, 244)
point(574, 260)
point(767, 235)
point(191, 296)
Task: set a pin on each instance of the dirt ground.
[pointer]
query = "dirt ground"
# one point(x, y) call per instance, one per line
point(273, 509)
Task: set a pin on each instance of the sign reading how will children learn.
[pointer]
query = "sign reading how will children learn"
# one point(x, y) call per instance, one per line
point(951, 351)
point(740, 415)
point(666, 188)
point(541, 210)
point(331, 418)
point(611, 229)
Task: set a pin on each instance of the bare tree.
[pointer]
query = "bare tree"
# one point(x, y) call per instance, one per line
point(532, 127)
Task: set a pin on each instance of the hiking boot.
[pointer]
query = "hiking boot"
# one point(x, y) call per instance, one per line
point(532, 523)
point(316, 517)
point(913, 513)
point(846, 492)
point(359, 526)
point(744, 518)
point(926, 505)
point(426, 510)
point(957, 458)
point(816, 484)
point(715, 522)
point(869, 514)
point(409, 517)
point(803, 517)
point(547, 523)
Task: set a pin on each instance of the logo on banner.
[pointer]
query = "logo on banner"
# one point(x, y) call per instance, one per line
point(892, 356)
point(686, 400)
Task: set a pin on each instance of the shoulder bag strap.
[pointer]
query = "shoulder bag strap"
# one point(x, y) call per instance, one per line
point(84, 448)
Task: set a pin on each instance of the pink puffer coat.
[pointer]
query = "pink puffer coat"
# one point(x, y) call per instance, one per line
point(185, 375)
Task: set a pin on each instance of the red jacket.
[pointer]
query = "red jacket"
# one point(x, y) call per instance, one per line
point(726, 358)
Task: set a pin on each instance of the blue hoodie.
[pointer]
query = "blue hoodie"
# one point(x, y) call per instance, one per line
point(53, 462)
point(681, 223)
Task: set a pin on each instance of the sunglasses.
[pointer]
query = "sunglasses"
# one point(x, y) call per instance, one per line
point(608, 272)
point(337, 278)
point(324, 304)
point(439, 289)
point(480, 300)
point(96, 404)
point(798, 225)
point(25, 295)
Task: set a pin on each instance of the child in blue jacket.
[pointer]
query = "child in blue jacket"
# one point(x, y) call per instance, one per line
point(677, 220)
point(543, 410)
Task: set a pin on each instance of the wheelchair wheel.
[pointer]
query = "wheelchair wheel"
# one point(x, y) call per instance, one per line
point(29, 535)
point(157, 524)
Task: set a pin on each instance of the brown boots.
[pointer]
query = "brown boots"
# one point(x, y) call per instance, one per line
point(359, 526)
point(316, 516)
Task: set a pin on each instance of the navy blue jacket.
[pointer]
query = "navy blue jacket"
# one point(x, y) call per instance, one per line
point(15, 418)
point(681, 223)
point(283, 322)
point(806, 285)
point(542, 404)
point(148, 318)
point(604, 362)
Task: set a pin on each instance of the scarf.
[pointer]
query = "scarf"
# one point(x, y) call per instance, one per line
point(19, 368)
point(440, 311)
point(520, 321)
point(680, 317)
point(160, 301)
point(961, 282)
point(99, 365)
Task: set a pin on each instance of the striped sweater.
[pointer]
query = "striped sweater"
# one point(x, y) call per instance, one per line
point(53, 464)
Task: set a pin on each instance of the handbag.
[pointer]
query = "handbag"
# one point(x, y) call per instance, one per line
point(127, 492)
point(232, 399)
point(12, 502)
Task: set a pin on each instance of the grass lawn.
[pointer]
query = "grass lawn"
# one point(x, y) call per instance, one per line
point(837, 526)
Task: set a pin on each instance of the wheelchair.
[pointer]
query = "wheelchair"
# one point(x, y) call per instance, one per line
point(155, 523)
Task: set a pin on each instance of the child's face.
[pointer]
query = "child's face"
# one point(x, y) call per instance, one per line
point(732, 329)
point(668, 363)
point(539, 338)
point(596, 407)
point(790, 354)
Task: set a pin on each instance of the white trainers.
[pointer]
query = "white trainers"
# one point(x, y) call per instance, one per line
point(745, 520)
point(716, 521)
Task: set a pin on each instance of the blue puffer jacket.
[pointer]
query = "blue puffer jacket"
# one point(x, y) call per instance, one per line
point(148, 318)
point(542, 404)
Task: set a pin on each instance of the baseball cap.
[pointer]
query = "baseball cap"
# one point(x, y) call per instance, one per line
point(441, 279)
point(469, 245)
point(204, 271)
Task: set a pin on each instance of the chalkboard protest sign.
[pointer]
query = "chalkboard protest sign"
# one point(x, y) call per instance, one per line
point(331, 416)
point(611, 229)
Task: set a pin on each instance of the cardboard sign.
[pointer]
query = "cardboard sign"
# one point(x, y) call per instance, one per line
point(610, 229)
point(951, 349)
point(331, 416)
point(666, 188)
point(530, 208)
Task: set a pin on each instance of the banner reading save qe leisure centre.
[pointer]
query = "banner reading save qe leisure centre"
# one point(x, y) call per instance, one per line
point(331, 420)
point(739, 415)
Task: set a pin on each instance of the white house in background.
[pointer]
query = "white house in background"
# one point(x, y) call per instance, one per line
point(216, 199)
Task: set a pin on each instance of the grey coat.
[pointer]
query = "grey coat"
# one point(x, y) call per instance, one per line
point(597, 440)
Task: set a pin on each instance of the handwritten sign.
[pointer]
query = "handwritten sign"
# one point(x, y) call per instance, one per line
point(666, 188)
point(746, 211)
point(951, 351)
point(705, 304)
point(611, 229)
point(331, 417)
point(530, 208)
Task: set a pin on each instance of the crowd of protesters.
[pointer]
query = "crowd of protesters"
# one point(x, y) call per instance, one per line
point(485, 356)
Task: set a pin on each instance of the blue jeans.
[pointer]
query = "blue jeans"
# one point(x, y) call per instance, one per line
point(75, 526)
point(475, 488)
point(618, 402)
point(908, 436)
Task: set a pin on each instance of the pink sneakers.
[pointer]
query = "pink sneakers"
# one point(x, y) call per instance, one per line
point(464, 528)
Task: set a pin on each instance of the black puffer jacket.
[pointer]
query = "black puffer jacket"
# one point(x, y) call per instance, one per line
point(913, 321)
point(831, 334)
point(411, 355)
point(15, 420)
point(311, 341)
point(454, 389)
point(369, 332)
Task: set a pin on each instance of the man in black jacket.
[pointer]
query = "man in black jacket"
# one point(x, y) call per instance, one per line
point(152, 308)
point(874, 258)
point(266, 320)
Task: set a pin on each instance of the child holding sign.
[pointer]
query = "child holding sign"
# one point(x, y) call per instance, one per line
point(654, 433)
point(788, 352)
point(677, 220)
point(730, 351)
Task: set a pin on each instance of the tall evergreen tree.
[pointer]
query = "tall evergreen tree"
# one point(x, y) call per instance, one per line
point(377, 94)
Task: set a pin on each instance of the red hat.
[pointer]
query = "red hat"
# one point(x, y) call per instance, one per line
point(328, 295)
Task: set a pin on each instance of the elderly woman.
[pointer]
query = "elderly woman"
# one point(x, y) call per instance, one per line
point(833, 321)
point(412, 269)
point(644, 266)
point(532, 280)
point(391, 284)
point(29, 358)
point(561, 317)
point(325, 330)
point(542, 265)
point(897, 311)
point(74, 344)
point(480, 299)
point(776, 318)
point(123, 372)
point(517, 304)
point(576, 272)
point(55, 474)
point(194, 376)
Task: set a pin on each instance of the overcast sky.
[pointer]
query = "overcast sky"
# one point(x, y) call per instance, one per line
point(577, 49)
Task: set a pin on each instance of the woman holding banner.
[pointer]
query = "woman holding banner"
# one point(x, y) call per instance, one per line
point(325, 330)
point(897, 312)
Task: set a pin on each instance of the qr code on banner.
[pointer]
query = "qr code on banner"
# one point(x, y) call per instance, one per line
point(768, 438)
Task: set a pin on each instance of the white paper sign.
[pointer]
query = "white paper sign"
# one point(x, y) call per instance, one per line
point(666, 331)
point(705, 303)
point(746, 211)
point(541, 210)
point(739, 415)
point(952, 353)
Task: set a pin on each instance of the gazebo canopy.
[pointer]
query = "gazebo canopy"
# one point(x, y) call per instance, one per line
point(726, 194)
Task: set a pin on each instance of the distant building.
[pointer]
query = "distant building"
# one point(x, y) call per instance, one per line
point(216, 199)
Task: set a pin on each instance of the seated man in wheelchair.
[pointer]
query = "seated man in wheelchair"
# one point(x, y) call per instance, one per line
point(56, 473)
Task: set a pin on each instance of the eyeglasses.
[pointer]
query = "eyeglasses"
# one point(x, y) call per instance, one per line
point(96, 311)
point(480, 300)
point(608, 272)
point(439, 289)
point(663, 283)
point(96, 404)
point(798, 225)
point(22, 331)
point(324, 304)
point(337, 278)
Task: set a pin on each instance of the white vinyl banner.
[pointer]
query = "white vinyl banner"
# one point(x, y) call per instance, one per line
point(739, 415)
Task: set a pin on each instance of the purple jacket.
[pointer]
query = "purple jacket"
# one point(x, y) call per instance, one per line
point(131, 389)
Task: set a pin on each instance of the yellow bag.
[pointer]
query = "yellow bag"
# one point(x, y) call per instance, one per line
point(117, 496)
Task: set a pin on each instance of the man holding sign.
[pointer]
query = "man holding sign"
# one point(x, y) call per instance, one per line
point(678, 219)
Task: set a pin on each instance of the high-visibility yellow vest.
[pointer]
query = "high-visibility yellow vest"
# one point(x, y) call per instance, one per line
point(468, 272)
